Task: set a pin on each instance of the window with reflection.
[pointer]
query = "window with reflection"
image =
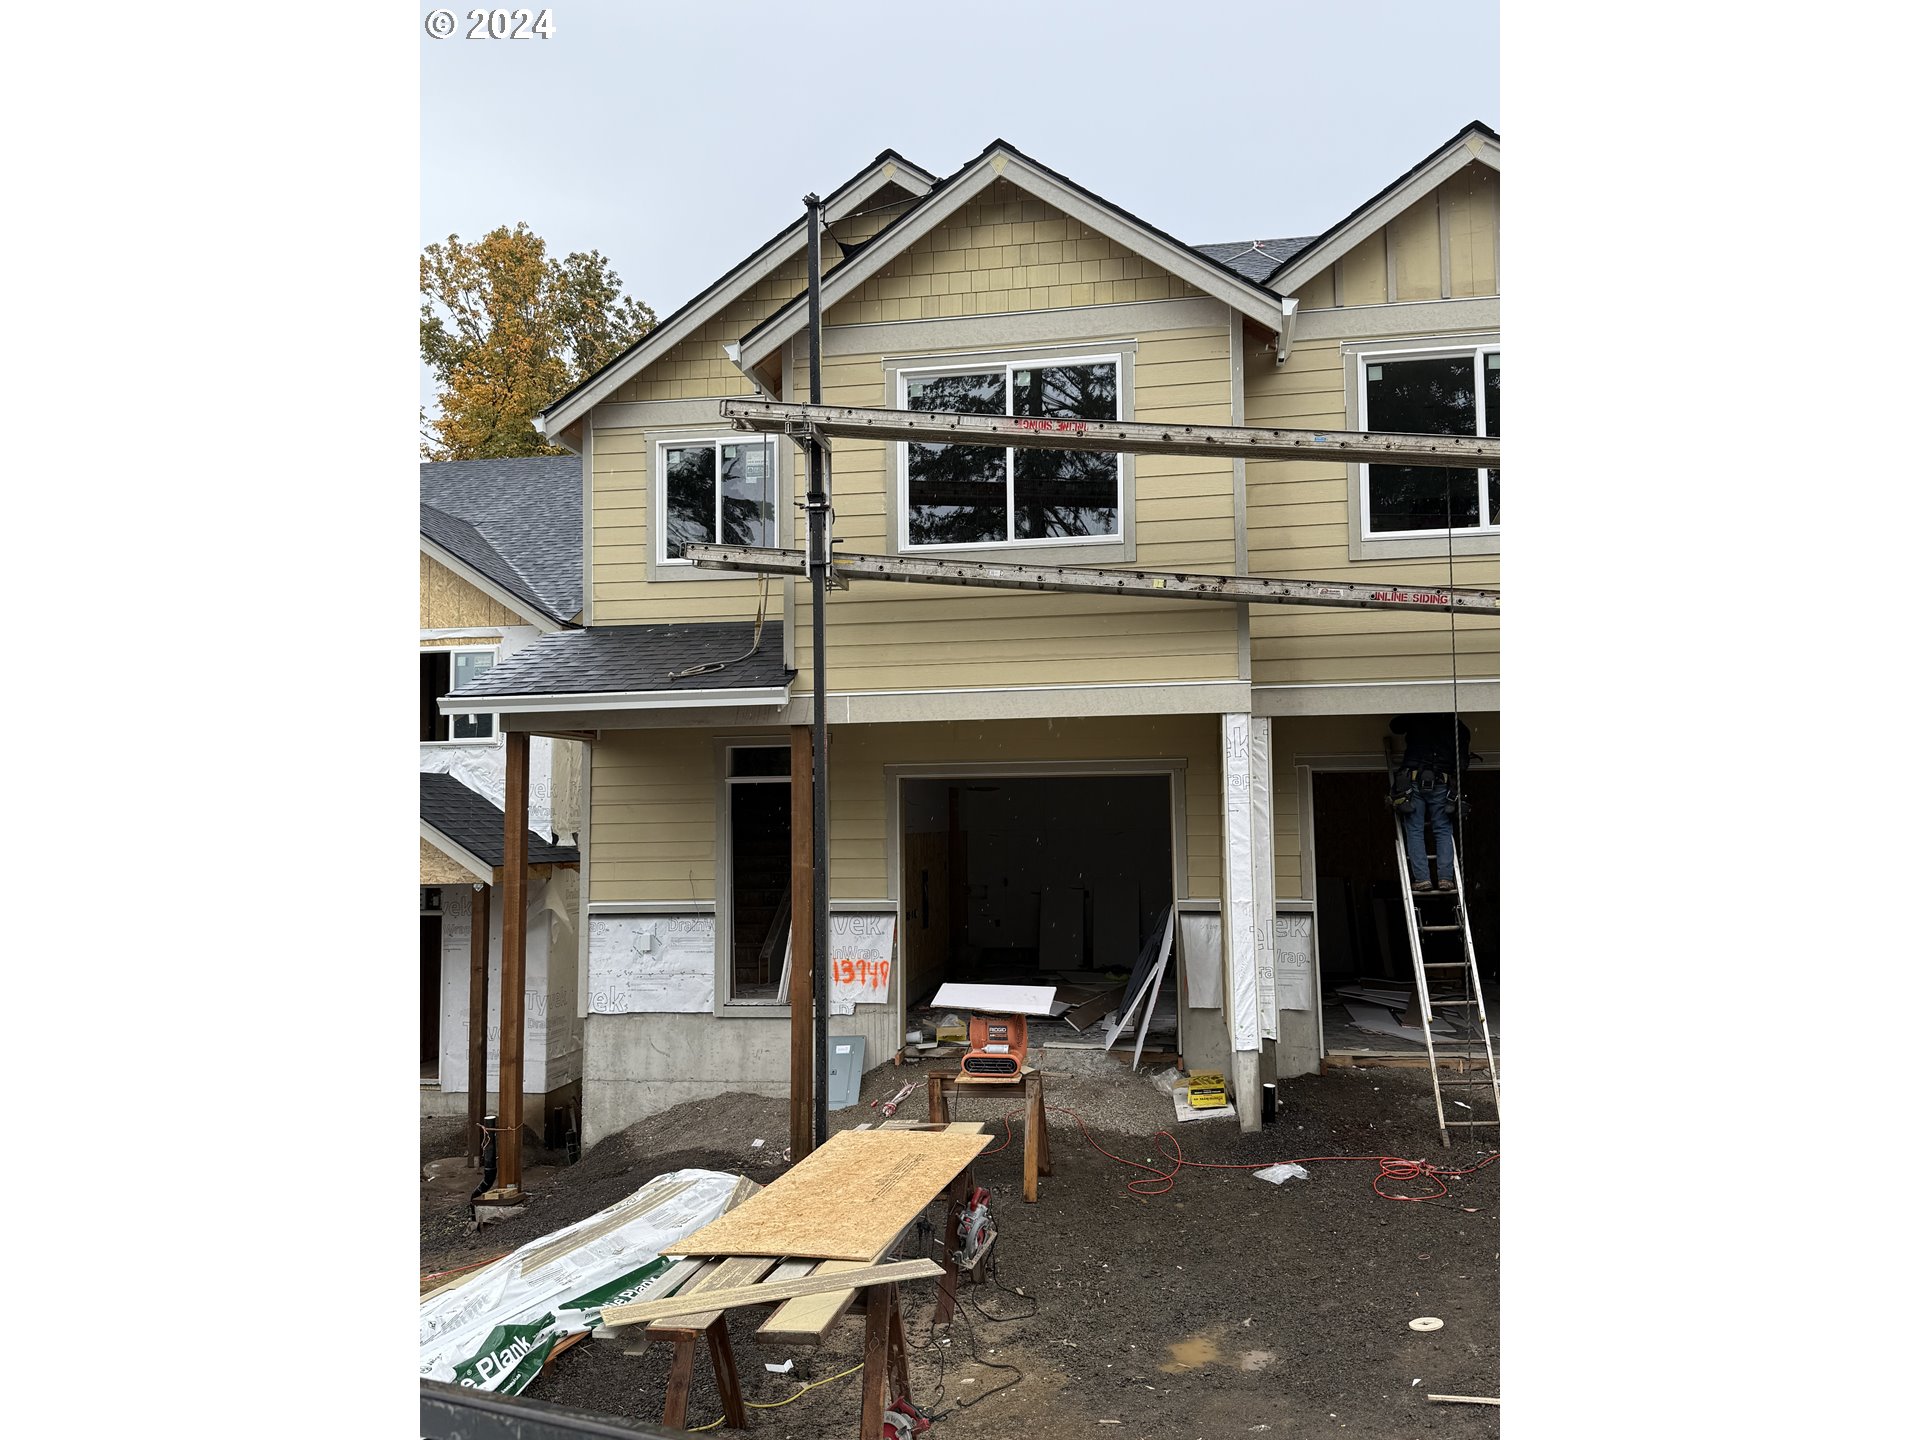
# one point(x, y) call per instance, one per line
point(1431, 393)
point(717, 492)
point(1003, 495)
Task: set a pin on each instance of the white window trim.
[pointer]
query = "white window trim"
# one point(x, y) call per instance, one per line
point(659, 566)
point(1117, 535)
point(493, 720)
point(1372, 355)
point(724, 1000)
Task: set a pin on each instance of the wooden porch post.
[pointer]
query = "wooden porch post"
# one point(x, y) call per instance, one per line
point(513, 962)
point(800, 967)
point(477, 1021)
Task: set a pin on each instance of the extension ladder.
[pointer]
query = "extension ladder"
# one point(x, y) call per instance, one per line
point(1425, 910)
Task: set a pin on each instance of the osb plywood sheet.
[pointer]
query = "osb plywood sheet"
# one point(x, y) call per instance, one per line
point(846, 1201)
point(437, 868)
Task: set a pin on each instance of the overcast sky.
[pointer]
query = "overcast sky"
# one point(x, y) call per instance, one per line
point(676, 139)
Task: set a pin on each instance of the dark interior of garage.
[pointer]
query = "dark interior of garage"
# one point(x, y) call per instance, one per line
point(1023, 878)
point(1362, 922)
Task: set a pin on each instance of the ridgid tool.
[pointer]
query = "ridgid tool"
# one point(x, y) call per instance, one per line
point(996, 1047)
point(997, 1032)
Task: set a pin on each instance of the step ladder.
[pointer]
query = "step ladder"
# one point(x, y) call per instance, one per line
point(1442, 915)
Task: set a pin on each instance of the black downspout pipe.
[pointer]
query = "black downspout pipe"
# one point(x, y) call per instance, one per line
point(818, 560)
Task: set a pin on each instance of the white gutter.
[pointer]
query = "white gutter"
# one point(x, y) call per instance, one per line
point(611, 700)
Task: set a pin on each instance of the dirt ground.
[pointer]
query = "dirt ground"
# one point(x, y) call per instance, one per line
point(1228, 1307)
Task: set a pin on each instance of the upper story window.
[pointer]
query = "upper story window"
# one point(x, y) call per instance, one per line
point(716, 491)
point(1432, 392)
point(441, 673)
point(988, 495)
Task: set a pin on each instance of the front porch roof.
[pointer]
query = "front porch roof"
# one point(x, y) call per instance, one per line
point(467, 826)
point(634, 667)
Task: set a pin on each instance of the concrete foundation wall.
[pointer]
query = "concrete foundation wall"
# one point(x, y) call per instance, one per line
point(639, 1065)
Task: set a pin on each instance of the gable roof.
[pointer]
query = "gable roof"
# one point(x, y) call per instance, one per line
point(1255, 259)
point(634, 667)
point(469, 821)
point(516, 522)
point(1473, 142)
point(1001, 161)
point(888, 168)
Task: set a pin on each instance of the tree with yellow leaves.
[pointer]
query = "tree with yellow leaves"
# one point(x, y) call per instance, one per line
point(506, 331)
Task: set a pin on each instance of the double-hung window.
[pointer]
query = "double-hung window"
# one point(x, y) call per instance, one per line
point(441, 673)
point(1430, 392)
point(714, 491)
point(970, 495)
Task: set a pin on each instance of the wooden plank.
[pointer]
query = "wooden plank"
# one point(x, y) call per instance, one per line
point(807, 1320)
point(873, 1376)
point(1135, 437)
point(731, 1274)
point(800, 948)
point(843, 1202)
point(1089, 1011)
point(1093, 580)
point(764, 1294)
point(480, 898)
point(1461, 1400)
point(513, 964)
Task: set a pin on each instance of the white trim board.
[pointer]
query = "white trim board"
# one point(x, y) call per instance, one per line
point(1474, 144)
point(545, 624)
point(1001, 162)
point(888, 169)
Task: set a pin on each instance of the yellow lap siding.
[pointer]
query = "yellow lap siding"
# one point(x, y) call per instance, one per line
point(1297, 527)
point(656, 800)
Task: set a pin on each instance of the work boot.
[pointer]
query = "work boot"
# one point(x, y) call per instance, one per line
point(1421, 887)
point(1444, 885)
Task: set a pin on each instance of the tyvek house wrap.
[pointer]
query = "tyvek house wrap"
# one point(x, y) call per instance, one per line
point(495, 1331)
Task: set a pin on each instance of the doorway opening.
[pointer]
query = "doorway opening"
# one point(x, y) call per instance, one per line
point(1360, 915)
point(430, 993)
point(1034, 880)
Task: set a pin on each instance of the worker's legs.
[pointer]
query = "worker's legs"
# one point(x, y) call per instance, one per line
point(1413, 828)
point(1438, 802)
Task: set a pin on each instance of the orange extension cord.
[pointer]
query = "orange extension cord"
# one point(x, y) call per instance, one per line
point(1158, 1181)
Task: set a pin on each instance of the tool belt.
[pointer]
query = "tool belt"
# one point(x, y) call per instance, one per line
point(1407, 779)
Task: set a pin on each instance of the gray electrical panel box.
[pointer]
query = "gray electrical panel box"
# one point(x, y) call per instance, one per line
point(846, 1057)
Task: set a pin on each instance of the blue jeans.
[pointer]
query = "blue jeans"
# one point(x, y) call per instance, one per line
point(1429, 805)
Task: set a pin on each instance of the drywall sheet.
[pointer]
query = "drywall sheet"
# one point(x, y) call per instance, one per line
point(1293, 961)
point(649, 964)
point(1242, 932)
point(1381, 1022)
point(861, 968)
point(846, 1201)
point(996, 999)
point(1200, 954)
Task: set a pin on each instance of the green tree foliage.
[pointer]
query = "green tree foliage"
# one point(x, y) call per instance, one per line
point(506, 330)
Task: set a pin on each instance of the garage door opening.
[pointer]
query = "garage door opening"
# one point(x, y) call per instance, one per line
point(1360, 915)
point(1033, 880)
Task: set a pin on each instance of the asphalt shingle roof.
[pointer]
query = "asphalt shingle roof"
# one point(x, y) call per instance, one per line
point(516, 521)
point(476, 824)
point(1256, 259)
point(613, 659)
